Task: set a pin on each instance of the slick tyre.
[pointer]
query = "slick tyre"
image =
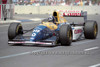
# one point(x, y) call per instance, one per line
point(90, 29)
point(65, 35)
point(14, 30)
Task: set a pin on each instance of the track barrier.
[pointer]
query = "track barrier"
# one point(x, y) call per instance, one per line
point(22, 9)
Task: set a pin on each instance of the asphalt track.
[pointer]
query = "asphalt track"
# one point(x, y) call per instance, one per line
point(83, 53)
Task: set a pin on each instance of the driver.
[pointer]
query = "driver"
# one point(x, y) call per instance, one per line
point(52, 19)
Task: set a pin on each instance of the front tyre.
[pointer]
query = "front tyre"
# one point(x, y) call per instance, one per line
point(90, 30)
point(65, 35)
point(14, 30)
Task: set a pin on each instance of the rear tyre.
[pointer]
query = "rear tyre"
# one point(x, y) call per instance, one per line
point(90, 30)
point(65, 35)
point(14, 30)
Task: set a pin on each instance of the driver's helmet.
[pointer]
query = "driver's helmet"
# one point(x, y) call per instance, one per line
point(51, 19)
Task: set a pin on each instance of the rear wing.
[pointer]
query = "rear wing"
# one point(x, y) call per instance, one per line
point(70, 13)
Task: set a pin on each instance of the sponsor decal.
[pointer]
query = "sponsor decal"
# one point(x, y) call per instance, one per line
point(36, 31)
point(34, 34)
point(72, 14)
point(77, 31)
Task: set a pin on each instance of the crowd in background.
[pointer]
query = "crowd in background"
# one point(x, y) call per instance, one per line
point(57, 2)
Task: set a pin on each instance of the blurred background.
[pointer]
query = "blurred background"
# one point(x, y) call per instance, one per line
point(57, 2)
point(10, 7)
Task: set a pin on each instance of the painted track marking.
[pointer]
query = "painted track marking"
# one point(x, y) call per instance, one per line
point(21, 23)
point(96, 65)
point(24, 53)
point(93, 48)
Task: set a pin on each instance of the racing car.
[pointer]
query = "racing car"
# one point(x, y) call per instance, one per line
point(58, 31)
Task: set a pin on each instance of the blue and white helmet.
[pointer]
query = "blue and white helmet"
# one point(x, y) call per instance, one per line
point(50, 19)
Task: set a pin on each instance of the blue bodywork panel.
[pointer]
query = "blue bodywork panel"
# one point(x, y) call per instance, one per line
point(59, 26)
point(41, 32)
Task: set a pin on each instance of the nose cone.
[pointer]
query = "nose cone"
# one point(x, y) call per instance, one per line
point(38, 33)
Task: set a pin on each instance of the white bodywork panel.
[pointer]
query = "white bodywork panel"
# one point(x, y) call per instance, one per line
point(77, 32)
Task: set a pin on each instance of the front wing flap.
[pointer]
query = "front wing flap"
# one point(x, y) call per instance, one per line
point(29, 42)
point(49, 41)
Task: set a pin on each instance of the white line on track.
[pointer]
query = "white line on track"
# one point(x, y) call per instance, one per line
point(24, 53)
point(93, 48)
point(96, 65)
point(19, 54)
point(21, 23)
point(36, 19)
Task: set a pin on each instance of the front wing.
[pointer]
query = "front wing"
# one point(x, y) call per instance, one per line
point(49, 41)
point(29, 42)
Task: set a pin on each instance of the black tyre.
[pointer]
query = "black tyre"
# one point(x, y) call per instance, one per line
point(90, 30)
point(14, 30)
point(65, 35)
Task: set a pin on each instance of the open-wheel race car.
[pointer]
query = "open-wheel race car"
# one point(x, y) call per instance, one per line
point(54, 30)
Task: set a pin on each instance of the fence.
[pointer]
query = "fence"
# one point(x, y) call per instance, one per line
point(6, 11)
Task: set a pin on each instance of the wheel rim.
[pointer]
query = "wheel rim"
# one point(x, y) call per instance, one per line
point(95, 30)
point(18, 30)
point(69, 34)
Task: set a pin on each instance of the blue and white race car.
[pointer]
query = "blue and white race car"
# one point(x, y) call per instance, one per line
point(54, 30)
